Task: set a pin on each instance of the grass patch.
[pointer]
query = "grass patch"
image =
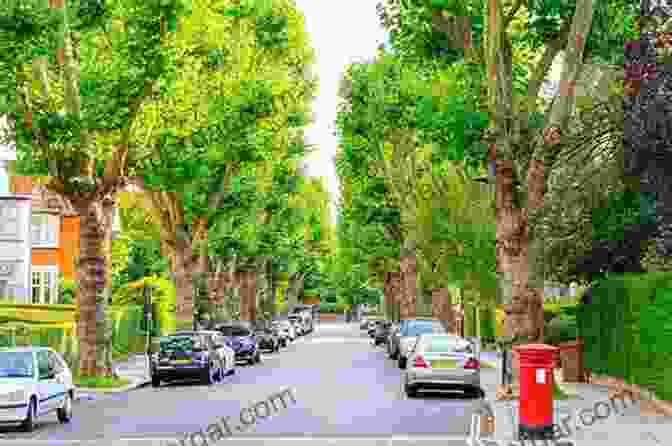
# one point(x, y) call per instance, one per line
point(100, 382)
point(558, 394)
point(487, 365)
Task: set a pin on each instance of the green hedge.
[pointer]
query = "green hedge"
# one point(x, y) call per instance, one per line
point(627, 328)
point(553, 310)
point(487, 324)
point(327, 307)
point(561, 329)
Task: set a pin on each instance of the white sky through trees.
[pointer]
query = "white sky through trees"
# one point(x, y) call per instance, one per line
point(341, 31)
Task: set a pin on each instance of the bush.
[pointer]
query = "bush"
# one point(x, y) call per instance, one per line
point(341, 307)
point(326, 307)
point(67, 289)
point(487, 324)
point(561, 329)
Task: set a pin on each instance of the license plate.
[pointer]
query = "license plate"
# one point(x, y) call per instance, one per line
point(444, 364)
point(181, 361)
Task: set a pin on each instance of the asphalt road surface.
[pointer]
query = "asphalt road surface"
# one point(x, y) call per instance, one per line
point(343, 391)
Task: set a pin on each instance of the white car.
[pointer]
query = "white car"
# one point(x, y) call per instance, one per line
point(34, 381)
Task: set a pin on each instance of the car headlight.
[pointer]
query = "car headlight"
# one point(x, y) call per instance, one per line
point(17, 396)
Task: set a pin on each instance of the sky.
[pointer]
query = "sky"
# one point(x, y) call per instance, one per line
point(341, 32)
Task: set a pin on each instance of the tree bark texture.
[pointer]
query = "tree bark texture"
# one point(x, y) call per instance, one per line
point(248, 295)
point(184, 289)
point(409, 287)
point(443, 310)
point(92, 284)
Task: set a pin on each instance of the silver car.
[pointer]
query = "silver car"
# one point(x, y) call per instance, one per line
point(408, 329)
point(442, 362)
point(287, 328)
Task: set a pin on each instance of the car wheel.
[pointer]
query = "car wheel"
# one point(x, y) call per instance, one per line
point(257, 357)
point(156, 382)
point(394, 354)
point(209, 374)
point(401, 362)
point(65, 413)
point(28, 425)
point(411, 392)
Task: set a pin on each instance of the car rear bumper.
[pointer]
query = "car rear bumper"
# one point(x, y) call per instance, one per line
point(244, 356)
point(427, 379)
point(178, 372)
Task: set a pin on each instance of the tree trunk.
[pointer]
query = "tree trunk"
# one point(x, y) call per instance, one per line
point(104, 329)
point(264, 286)
point(389, 295)
point(248, 295)
point(442, 309)
point(409, 283)
point(92, 281)
point(294, 288)
point(512, 257)
point(184, 289)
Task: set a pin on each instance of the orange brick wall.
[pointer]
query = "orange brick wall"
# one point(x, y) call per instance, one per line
point(45, 256)
point(21, 184)
point(68, 249)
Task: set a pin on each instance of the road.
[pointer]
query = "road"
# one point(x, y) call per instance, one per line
point(342, 386)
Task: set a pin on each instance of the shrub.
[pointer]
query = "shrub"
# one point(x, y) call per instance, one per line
point(66, 287)
point(487, 324)
point(341, 307)
point(326, 307)
point(561, 329)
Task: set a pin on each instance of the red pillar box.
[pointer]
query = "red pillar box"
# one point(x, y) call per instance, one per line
point(535, 417)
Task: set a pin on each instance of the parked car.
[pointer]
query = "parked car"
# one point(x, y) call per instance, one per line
point(286, 328)
point(267, 338)
point(201, 354)
point(299, 322)
point(441, 361)
point(373, 324)
point(408, 329)
point(381, 333)
point(34, 381)
point(241, 338)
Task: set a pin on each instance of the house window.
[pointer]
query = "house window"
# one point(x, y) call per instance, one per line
point(43, 230)
point(8, 218)
point(44, 289)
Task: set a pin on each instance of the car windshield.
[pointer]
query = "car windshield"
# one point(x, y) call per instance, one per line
point(186, 343)
point(447, 344)
point(418, 328)
point(16, 365)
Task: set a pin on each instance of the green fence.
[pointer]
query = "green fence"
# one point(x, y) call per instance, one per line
point(129, 334)
point(627, 327)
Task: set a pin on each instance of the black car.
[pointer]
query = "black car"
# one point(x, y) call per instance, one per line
point(267, 339)
point(381, 332)
point(240, 336)
point(190, 355)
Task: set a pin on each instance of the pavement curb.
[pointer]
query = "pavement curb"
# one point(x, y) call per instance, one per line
point(139, 383)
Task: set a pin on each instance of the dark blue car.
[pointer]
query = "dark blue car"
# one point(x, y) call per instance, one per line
point(240, 336)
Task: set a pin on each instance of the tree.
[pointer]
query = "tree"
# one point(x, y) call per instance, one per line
point(218, 140)
point(525, 142)
point(78, 125)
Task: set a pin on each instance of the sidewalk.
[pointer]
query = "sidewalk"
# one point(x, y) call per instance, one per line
point(134, 370)
point(621, 423)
